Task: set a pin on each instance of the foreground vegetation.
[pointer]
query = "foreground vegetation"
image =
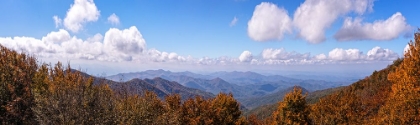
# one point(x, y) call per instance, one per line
point(32, 93)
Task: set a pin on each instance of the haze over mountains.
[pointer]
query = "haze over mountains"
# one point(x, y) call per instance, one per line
point(161, 87)
point(244, 86)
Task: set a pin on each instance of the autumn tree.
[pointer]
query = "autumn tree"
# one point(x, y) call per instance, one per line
point(403, 106)
point(253, 120)
point(16, 100)
point(172, 110)
point(339, 108)
point(143, 109)
point(196, 111)
point(65, 96)
point(226, 109)
point(293, 110)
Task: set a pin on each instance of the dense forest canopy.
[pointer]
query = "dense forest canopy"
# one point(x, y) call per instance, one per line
point(37, 93)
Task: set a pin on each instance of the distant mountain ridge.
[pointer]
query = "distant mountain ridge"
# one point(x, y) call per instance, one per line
point(150, 74)
point(365, 98)
point(250, 88)
point(160, 86)
point(267, 105)
point(273, 98)
point(242, 85)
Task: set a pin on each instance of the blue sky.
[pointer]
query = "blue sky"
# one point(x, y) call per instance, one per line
point(211, 35)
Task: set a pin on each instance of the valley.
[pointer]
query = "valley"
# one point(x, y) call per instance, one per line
point(250, 88)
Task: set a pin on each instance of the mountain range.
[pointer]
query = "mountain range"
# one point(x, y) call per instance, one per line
point(161, 87)
point(242, 85)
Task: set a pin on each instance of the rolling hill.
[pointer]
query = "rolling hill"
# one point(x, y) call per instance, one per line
point(160, 86)
point(241, 84)
point(273, 98)
point(363, 98)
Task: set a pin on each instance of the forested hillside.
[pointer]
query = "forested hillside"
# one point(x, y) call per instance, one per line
point(388, 96)
point(33, 93)
point(266, 109)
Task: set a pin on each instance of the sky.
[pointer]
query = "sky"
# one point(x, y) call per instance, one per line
point(109, 37)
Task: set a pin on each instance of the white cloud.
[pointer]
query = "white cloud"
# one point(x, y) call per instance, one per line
point(269, 22)
point(57, 37)
point(361, 6)
point(127, 41)
point(80, 13)
point(282, 54)
point(313, 17)
point(116, 45)
point(406, 48)
point(113, 19)
point(340, 54)
point(173, 56)
point(25, 44)
point(246, 56)
point(233, 22)
point(379, 30)
point(320, 57)
point(157, 56)
point(377, 53)
point(57, 21)
point(96, 38)
point(335, 56)
point(274, 54)
point(113, 48)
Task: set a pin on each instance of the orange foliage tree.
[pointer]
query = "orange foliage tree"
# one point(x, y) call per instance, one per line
point(16, 100)
point(293, 110)
point(403, 106)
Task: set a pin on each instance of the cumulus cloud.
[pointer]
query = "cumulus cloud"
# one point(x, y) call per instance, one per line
point(25, 44)
point(114, 19)
point(57, 37)
point(157, 56)
point(335, 56)
point(313, 17)
point(340, 54)
point(117, 46)
point(387, 29)
point(57, 21)
point(80, 13)
point(246, 56)
point(95, 38)
point(320, 57)
point(233, 22)
point(128, 41)
point(282, 54)
point(378, 53)
point(269, 22)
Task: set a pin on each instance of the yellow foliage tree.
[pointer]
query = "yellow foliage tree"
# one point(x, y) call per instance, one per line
point(65, 96)
point(226, 109)
point(293, 110)
point(136, 110)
